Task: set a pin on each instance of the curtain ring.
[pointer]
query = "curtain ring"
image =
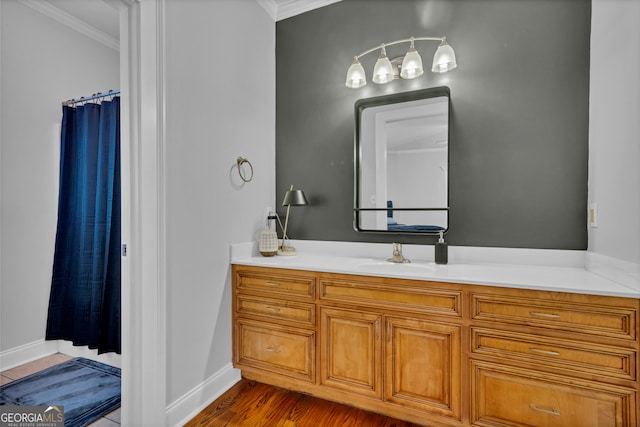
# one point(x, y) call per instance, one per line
point(240, 161)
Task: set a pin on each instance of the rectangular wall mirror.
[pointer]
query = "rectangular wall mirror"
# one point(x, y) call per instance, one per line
point(402, 162)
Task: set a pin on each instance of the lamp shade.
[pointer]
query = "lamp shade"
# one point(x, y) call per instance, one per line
point(444, 59)
point(294, 198)
point(383, 70)
point(356, 76)
point(411, 64)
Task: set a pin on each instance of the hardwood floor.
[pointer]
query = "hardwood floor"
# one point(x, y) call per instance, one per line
point(253, 404)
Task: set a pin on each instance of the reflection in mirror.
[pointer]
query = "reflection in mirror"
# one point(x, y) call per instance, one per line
point(402, 162)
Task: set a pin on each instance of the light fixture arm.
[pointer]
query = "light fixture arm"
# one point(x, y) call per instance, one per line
point(373, 49)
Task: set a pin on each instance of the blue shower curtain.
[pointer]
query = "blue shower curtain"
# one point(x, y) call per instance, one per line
point(84, 304)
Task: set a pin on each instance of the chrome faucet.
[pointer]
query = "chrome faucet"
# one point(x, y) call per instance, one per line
point(397, 254)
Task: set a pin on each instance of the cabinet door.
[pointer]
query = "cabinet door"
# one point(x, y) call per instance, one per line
point(423, 365)
point(351, 351)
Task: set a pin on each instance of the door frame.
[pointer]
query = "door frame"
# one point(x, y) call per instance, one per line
point(143, 219)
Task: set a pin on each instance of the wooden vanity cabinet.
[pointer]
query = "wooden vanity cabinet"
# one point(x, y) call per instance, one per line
point(389, 346)
point(440, 354)
point(414, 351)
point(274, 320)
point(552, 359)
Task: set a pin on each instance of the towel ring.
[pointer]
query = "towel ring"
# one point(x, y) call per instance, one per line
point(240, 161)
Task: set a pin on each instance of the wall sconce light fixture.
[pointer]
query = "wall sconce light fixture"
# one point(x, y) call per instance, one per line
point(407, 67)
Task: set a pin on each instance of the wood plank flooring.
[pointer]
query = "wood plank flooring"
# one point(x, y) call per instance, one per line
point(253, 404)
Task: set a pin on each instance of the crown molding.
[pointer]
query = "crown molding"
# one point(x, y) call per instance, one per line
point(291, 8)
point(270, 7)
point(62, 17)
point(296, 7)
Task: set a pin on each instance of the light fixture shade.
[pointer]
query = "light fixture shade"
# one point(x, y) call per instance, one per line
point(356, 76)
point(411, 64)
point(294, 198)
point(383, 70)
point(444, 59)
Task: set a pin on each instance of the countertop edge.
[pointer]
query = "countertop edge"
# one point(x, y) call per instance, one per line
point(533, 269)
point(556, 279)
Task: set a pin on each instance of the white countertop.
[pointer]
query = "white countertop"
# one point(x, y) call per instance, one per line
point(550, 276)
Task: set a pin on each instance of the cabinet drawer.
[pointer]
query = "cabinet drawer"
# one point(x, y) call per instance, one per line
point(276, 309)
point(277, 283)
point(422, 299)
point(285, 351)
point(571, 355)
point(589, 319)
point(503, 397)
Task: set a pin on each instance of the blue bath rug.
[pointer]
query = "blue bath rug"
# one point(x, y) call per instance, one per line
point(87, 389)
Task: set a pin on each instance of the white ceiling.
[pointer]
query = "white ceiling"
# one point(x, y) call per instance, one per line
point(99, 18)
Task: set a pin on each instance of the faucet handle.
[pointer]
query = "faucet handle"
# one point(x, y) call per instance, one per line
point(397, 249)
point(397, 254)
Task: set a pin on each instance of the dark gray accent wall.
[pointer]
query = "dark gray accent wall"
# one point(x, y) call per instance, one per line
point(519, 124)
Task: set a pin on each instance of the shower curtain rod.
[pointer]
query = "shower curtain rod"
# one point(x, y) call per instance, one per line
point(89, 98)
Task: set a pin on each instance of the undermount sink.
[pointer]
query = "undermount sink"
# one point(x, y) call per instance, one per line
point(387, 267)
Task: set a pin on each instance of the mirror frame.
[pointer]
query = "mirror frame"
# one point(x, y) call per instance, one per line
point(395, 98)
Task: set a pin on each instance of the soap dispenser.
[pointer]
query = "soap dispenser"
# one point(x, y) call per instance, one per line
point(268, 242)
point(441, 251)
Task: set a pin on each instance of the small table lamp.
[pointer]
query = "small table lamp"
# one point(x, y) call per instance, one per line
point(291, 198)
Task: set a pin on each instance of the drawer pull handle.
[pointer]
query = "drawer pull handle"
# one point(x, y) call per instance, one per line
point(275, 285)
point(549, 352)
point(273, 350)
point(549, 315)
point(273, 309)
point(544, 411)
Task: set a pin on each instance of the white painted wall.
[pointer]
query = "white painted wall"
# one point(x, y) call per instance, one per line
point(220, 104)
point(614, 129)
point(42, 64)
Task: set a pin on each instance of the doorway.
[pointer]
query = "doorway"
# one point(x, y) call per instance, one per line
point(143, 274)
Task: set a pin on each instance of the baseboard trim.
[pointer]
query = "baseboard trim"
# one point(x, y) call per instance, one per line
point(193, 402)
point(42, 348)
point(27, 353)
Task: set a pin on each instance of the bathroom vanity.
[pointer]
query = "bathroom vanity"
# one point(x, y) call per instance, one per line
point(442, 345)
